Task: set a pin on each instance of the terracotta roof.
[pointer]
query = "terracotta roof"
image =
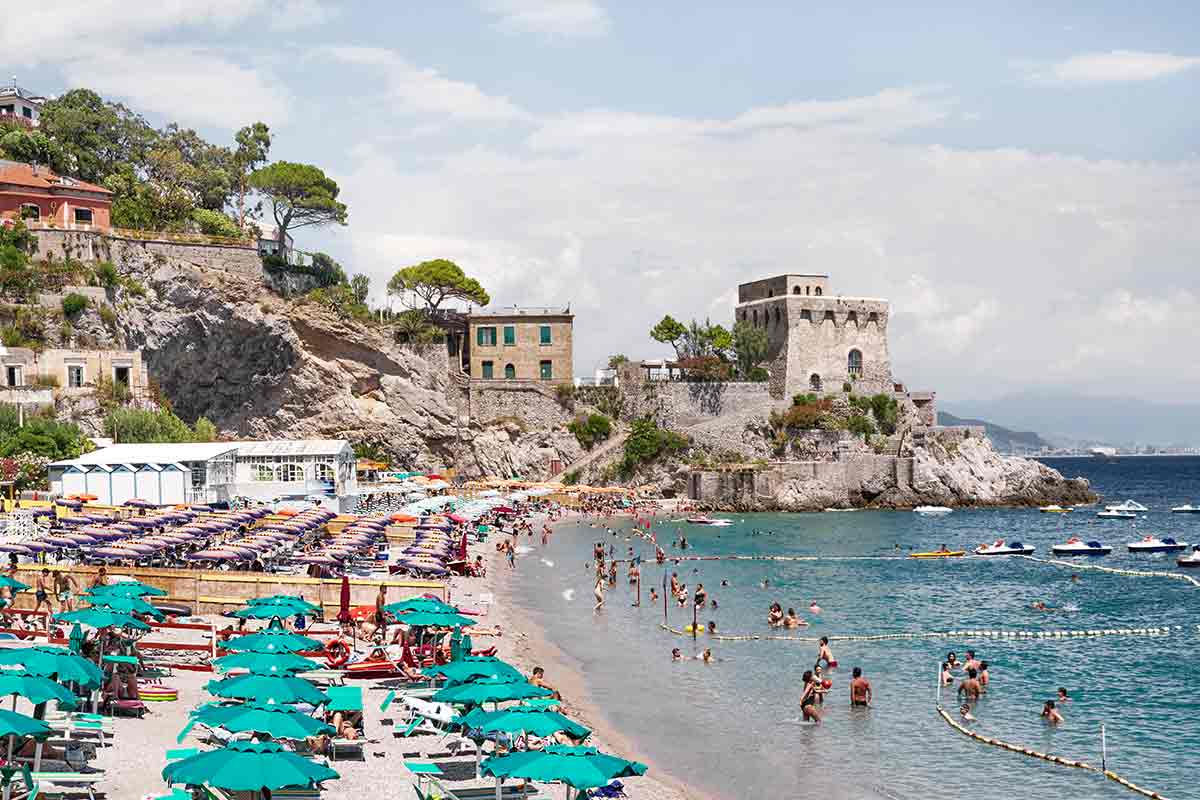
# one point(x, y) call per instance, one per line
point(15, 172)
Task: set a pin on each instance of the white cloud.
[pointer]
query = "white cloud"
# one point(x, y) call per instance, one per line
point(1002, 263)
point(567, 18)
point(421, 90)
point(1117, 66)
point(191, 86)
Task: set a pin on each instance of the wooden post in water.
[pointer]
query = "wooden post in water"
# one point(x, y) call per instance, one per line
point(1103, 749)
point(695, 611)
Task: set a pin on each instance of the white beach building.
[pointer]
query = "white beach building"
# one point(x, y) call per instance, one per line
point(197, 472)
point(280, 467)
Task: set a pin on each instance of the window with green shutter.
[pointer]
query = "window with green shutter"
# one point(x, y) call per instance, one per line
point(544, 334)
point(510, 334)
point(486, 370)
point(546, 370)
point(510, 372)
point(485, 337)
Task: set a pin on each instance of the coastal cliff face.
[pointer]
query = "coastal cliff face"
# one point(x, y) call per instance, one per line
point(221, 345)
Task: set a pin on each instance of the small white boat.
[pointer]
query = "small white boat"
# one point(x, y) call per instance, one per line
point(1187, 508)
point(1128, 505)
point(1190, 561)
point(708, 521)
point(999, 548)
point(1077, 547)
point(1107, 514)
point(1153, 544)
point(1054, 509)
point(933, 511)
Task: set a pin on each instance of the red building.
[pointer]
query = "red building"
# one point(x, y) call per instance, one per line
point(36, 194)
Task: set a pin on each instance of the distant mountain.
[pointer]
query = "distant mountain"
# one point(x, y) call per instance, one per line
point(1072, 419)
point(1003, 439)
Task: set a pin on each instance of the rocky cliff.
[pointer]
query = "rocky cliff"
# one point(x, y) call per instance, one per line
point(220, 344)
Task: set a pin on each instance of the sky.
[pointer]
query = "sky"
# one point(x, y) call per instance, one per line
point(1021, 182)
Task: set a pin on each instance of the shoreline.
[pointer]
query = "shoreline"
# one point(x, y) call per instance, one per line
point(525, 644)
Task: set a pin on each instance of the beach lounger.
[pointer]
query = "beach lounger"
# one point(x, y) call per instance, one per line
point(613, 790)
point(507, 792)
point(67, 782)
point(348, 700)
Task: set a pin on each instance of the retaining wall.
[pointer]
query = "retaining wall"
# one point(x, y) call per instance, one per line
point(128, 252)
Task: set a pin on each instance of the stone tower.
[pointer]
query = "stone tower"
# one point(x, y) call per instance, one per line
point(818, 341)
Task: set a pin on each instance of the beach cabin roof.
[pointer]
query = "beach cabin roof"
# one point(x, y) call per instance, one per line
point(292, 447)
point(154, 453)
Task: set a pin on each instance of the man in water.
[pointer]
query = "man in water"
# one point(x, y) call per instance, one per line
point(970, 688)
point(964, 712)
point(971, 662)
point(1051, 714)
point(825, 654)
point(813, 608)
point(860, 690)
point(701, 596)
point(676, 655)
point(1063, 697)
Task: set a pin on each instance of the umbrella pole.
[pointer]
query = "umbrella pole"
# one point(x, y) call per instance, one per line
point(498, 789)
point(8, 783)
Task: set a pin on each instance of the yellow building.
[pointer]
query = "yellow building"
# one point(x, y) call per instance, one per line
point(521, 344)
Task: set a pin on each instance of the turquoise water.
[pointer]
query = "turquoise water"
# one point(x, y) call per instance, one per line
point(732, 727)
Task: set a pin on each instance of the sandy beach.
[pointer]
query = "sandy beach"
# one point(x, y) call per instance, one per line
point(133, 763)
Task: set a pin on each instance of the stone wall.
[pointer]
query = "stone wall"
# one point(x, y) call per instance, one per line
point(677, 404)
point(533, 402)
point(127, 252)
point(96, 295)
point(803, 485)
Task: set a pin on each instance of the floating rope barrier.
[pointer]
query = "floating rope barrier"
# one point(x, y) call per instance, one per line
point(791, 558)
point(1053, 759)
point(1137, 573)
point(973, 634)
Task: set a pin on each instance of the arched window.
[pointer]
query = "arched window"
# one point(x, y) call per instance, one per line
point(818, 291)
point(777, 315)
point(263, 473)
point(808, 290)
point(795, 290)
point(770, 292)
point(806, 315)
point(324, 472)
point(814, 382)
point(510, 372)
point(291, 473)
point(854, 363)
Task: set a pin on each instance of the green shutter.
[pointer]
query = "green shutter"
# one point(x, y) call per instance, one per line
point(487, 370)
point(545, 334)
point(510, 334)
point(479, 336)
point(547, 370)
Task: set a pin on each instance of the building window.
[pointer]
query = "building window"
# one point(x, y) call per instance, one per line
point(83, 216)
point(546, 370)
point(795, 290)
point(510, 372)
point(544, 334)
point(510, 334)
point(486, 370)
point(814, 382)
point(854, 363)
point(324, 472)
point(27, 112)
point(806, 315)
point(770, 292)
point(263, 473)
point(817, 291)
point(485, 337)
point(121, 375)
point(13, 376)
point(776, 315)
point(75, 376)
point(31, 211)
point(756, 317)
point(291, 473)
point(852, 318)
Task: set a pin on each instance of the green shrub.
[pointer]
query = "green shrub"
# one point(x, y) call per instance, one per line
point(565, 392)
point(647, 442)
point(73, 303)
point(134, 287)
point(759, 375)
point(591, 429)
point(847, 386)
point(570, 477)
point(108, 316)
point(886, 411)
point(214, 223)
point(860, 426)
point(107, 275)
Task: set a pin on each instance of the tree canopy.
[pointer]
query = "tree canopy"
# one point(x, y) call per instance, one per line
point(360, 285)
point(435, 282)
point(298, 195)
point(750, 346)
point(669, 331)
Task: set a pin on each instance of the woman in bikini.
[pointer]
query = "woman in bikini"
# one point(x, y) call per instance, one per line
point(810, 700)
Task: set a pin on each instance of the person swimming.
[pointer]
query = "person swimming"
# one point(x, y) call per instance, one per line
point(775, 615)
point(791, 620)
point(964, 712)
point(676, 655)
point(1051, 714)
point(813, 608)
point(947, 678)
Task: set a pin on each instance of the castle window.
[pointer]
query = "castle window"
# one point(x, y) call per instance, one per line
point(852, 318)
point(795, 290)
point(873, 317)
point(756, 317)
point(829, 317)
point(770, 292)
point(510, 372)
point(854, 364)
point(806, 315)
point(814, 382)
point(818, 291)
point(808, 290)
point(776, 315)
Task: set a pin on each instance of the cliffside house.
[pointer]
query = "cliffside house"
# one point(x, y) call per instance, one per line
point(268, 242)
point(36, 378)
point(40, 197)
point(520, 344)
point(20, 105)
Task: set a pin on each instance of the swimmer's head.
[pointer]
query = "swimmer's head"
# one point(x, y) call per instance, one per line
point(856, 672)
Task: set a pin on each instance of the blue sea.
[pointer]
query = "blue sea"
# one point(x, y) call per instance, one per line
point(733, 727)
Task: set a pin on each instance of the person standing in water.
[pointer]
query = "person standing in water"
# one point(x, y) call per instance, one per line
point(599, 593)
point(810, 699)
point(860, 690)
point(825, 654)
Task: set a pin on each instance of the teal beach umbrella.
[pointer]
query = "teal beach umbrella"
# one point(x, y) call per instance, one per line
point(268, 688)
point(22, 726)
point(420, 604)
point(268, 612)
point(288, 600)
point(435, 619)
point(125, 605)
point(248, 766)
point(127, 589)
point(35, 689)
point(523, 719)
point(102, 618)
point(489, 690)
point(48, 661)
point(580, 767)
point(277, 720)
point(272, 639)
point(12, 583)
point(470, 668)
point(265, 663)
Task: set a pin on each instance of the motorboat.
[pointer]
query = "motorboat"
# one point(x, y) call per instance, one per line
point(1128, 505)
point(1153, 544)
point(1054, 509)
point(1000, 548)
point(933, 511)
point(1107, 514)
point(708, 521)
point(1187, 508)
point(1190, 561)
point(1077, 547)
